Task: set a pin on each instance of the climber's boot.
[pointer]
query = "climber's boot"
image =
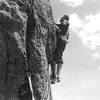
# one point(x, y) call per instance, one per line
point(53, 79)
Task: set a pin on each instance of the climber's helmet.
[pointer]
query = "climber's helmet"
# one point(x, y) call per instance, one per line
point(64, 20)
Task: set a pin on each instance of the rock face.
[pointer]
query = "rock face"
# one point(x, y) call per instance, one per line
point(27, 40)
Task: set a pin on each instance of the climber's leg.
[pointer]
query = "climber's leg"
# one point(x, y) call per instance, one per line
point(53, 69)
point(59, 61)
point(59, 67)
point(53, 72)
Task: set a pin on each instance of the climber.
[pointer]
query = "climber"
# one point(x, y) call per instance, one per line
point(62, 35)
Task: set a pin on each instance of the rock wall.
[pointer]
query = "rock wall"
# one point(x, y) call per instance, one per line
point(27, 40)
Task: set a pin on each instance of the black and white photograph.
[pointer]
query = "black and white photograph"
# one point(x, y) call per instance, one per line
point(49, 50)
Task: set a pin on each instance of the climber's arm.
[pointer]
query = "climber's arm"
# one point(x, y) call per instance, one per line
point(67, 35)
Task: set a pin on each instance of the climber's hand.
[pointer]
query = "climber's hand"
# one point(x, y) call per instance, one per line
point(67, 41)
point(64, 39)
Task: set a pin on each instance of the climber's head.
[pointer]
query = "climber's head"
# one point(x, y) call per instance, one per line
point(64, 20)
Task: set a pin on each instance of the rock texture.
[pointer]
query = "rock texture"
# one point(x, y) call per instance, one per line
point(27, 40)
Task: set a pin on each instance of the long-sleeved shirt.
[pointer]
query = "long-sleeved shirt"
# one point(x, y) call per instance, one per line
point(62, 30)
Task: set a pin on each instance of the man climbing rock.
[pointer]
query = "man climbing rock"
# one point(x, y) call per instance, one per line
point(62, 35)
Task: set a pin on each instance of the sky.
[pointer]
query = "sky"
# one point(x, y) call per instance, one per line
point(80, 75)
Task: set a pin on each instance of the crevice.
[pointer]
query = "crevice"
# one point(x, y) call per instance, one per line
point(31, 24)
point(7, 54)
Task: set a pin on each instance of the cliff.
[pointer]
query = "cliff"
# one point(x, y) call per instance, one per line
point(27, 40)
